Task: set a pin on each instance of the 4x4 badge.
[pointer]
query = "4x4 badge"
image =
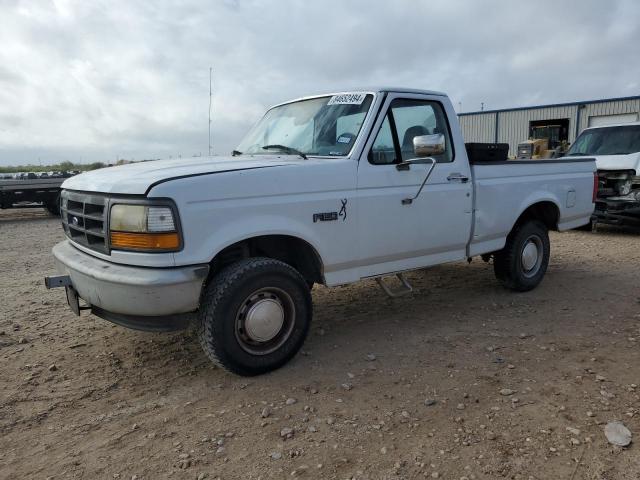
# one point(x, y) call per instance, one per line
point(331, 216)
point(343, 211)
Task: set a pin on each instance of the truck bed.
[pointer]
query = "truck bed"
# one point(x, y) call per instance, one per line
point(567, 183)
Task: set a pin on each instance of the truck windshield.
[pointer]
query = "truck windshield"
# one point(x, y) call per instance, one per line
point(323, 126)
point(621, 140)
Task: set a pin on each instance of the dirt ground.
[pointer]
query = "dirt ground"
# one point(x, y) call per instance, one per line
point(416, 387)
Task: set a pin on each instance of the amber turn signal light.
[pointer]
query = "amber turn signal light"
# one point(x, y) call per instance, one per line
point(145, 241)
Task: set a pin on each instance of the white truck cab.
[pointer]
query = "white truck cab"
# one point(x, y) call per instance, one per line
point(329, 189)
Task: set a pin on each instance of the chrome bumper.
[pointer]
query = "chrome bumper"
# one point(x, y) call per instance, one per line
point(127, 290)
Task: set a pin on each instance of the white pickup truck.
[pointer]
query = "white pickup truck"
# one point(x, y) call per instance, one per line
point(327, 189)
point(616, 149)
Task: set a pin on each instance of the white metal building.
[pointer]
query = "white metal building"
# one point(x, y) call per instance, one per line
point(514, 125)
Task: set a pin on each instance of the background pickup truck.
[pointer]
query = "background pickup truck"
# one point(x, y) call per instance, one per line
point(616, 149)
point(327, 189)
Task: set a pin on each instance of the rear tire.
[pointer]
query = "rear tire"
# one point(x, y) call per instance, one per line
point(523, 261)
point(53, 207)
point(254, 316)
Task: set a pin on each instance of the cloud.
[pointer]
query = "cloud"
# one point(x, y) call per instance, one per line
point(103, 79)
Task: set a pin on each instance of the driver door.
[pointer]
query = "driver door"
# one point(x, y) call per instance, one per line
point(435, 227)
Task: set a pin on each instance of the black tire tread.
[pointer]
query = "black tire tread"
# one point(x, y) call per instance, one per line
point(53, 207)
point(218, 288)
point(505, 260)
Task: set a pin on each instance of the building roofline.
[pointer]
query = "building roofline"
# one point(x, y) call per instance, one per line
point(552, 105)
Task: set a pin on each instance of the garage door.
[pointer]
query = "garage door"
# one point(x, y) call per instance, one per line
point(601, 120)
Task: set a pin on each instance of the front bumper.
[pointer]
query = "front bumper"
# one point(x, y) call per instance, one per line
point(131, 295)
point(616, 212)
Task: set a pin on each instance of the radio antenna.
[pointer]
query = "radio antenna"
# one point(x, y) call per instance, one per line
point(210, 146)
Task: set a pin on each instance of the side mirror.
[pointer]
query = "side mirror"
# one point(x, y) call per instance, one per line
point(428, 145)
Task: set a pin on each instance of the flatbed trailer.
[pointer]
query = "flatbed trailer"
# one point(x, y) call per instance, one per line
point(41, 192)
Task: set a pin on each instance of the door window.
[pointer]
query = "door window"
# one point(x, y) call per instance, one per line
point(406, 119)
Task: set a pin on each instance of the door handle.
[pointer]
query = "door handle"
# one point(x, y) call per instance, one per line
point(458, 177)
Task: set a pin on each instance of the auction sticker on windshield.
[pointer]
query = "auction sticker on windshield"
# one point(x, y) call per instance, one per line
point(354, 98)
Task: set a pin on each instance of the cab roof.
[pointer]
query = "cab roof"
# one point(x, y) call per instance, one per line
point(373, 89)
point(406, 90)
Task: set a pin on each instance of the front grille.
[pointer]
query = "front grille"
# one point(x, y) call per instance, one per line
point(84, 219)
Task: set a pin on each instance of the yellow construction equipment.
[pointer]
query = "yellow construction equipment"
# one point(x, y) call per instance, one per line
point(539, 143)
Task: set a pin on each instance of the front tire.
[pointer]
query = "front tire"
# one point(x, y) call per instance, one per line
point(523, 261)
point(254, 316)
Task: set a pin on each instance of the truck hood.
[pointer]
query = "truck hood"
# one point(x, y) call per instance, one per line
point(617, 162)
point(138, 178)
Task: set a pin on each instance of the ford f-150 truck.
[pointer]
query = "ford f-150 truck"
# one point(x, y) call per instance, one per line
point(327, 189)
point(616, 149)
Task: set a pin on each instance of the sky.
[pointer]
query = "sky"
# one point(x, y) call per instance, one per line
point(99, 80)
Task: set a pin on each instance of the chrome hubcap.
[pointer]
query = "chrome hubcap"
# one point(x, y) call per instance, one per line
point(264, 320)
point(531, 257)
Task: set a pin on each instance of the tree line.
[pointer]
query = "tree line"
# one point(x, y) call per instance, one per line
point(56, 167)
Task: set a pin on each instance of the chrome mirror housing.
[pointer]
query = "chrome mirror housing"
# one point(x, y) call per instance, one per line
point(428, 145)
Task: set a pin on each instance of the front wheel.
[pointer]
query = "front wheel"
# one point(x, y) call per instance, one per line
point(523, 261)
point(254, 316)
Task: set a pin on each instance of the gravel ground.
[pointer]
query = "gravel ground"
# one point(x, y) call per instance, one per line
point(461, 380)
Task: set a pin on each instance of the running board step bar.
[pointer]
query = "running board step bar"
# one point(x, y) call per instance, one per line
point(405, 289)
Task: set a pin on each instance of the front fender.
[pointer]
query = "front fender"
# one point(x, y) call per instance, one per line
point(255, 226)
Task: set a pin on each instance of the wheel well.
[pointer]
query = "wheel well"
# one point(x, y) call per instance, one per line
point(290, 250)
point(547, 212)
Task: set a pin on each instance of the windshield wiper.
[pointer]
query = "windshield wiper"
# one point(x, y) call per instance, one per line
point(286, 149)
point(235, 153)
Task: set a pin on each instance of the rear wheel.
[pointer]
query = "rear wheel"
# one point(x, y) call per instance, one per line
point(254, 316)
point(53, 207)
point(523, 261)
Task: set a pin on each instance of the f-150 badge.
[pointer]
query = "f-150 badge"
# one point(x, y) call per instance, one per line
point(330, 216)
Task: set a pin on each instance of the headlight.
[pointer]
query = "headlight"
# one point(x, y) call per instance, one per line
point(624, 187)
point(143, 228)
